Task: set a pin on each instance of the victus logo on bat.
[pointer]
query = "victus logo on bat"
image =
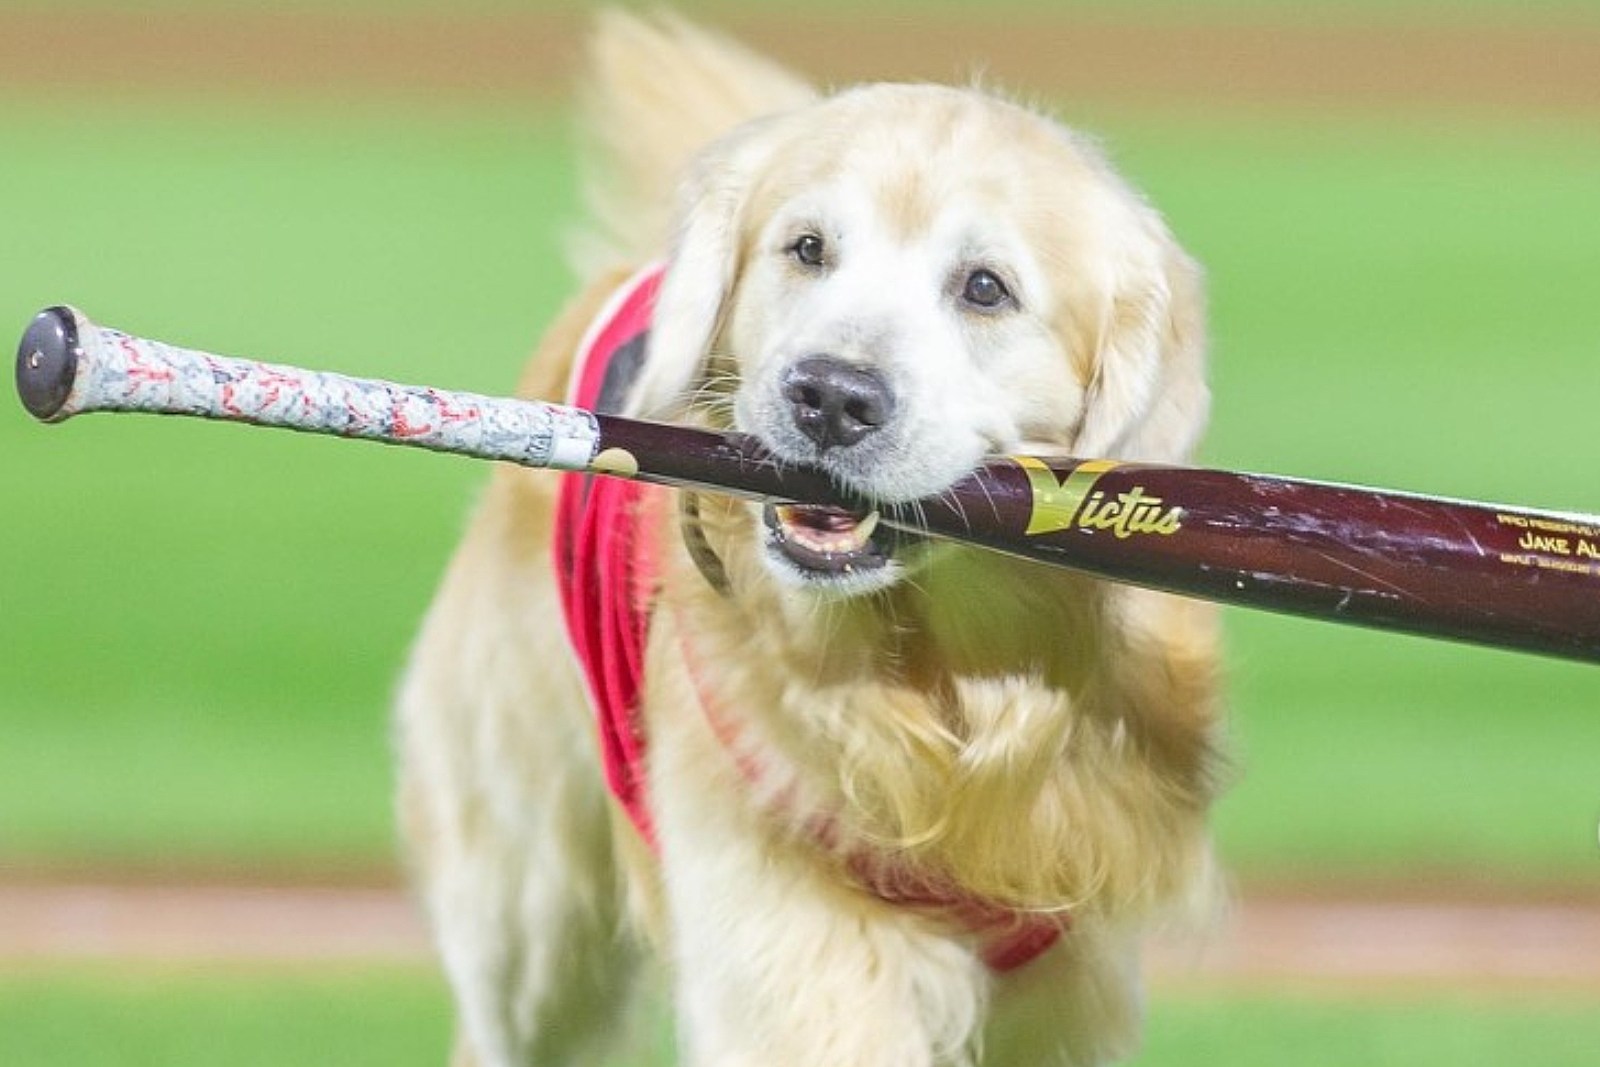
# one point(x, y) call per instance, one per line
point(1074, 502)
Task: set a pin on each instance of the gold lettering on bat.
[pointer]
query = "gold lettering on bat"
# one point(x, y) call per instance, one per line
point(1074, 503)
point(1553, 543)
point(1131, 513)
point(1533, 542)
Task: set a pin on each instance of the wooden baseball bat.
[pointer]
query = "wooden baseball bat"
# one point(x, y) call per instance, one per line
point(1501, 576)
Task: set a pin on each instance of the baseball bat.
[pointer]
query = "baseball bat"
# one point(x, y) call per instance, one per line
point(1501, 576)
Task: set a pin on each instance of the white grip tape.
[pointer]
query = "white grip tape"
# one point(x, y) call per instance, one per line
point(119, 372)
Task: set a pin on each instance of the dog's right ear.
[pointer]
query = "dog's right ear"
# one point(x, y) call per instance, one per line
point(702, 270)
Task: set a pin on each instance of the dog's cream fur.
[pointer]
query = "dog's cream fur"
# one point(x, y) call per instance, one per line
point(1019, 732)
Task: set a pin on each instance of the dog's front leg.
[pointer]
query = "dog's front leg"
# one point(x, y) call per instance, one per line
point(778, 961)
point(504, 814)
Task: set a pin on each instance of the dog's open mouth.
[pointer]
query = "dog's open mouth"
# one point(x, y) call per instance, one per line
point(828, 542)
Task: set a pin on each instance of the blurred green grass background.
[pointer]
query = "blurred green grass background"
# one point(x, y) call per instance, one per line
point(355, 1017)
point(204, 626)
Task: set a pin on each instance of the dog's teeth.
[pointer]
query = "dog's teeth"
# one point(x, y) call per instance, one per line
point(865, 527)
point(838, 536)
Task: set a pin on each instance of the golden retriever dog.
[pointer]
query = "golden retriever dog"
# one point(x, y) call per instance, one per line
point(900, 803)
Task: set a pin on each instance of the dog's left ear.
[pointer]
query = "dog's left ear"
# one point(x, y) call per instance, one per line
point(1147, 398)
point(702, 269)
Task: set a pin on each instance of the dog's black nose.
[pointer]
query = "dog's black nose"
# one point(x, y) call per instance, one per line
point(835, 403)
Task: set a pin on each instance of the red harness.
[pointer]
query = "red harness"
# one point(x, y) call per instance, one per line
point(607, 567)
point(605, 564)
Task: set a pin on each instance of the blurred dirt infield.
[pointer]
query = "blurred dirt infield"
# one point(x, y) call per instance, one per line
point(1515, 67)
point(1269, 942)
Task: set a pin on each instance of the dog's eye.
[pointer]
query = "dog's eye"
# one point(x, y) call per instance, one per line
point(984, 290)
point(809, 250)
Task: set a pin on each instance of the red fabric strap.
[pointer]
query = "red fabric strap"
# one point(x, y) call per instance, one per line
point(605, 562)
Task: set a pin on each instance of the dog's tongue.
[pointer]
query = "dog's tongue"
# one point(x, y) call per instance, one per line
point(822, 519)
point(828, 522)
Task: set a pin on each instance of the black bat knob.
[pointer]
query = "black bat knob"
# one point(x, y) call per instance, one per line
point(47, 362)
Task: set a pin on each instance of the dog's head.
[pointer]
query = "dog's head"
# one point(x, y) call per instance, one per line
point(899, 280)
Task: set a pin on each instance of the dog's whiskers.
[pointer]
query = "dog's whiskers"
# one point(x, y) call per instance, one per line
point(951, 500)
point(714, 402)
point(988, 495)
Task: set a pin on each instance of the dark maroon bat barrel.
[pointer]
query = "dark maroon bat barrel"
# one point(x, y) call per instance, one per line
point(731, 463)
point(1501, 576)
